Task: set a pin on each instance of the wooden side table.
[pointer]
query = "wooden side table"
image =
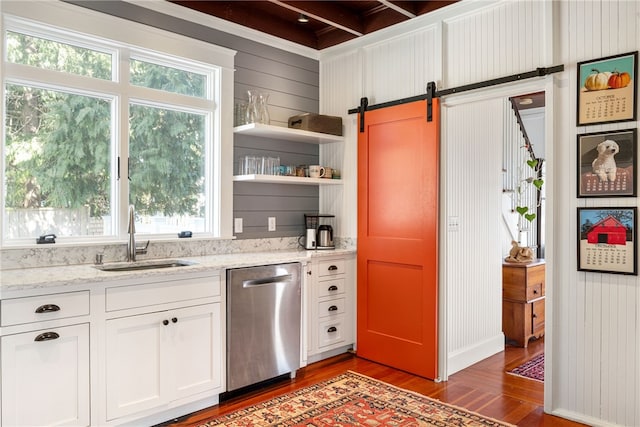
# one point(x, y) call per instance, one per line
point(523, 295)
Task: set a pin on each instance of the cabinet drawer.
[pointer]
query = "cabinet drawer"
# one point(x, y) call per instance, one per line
point(331, 332)
point(135, 296)
point(331, 267)
point(39, 308)
point(331, 308)
point(331, 287)
point(535, 291)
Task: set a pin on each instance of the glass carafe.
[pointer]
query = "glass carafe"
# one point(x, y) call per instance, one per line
point(252, 107)
point(262, 109)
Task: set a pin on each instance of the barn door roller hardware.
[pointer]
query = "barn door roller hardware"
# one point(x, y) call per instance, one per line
point(433, 93)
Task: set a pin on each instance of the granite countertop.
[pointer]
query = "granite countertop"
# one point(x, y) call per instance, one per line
point(70, 275)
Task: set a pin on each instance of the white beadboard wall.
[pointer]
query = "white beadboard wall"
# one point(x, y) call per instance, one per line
point(593, 319)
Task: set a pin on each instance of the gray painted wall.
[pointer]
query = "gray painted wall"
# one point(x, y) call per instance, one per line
point(292, 82)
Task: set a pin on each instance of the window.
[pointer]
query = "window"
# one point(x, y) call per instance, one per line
point(92, 124)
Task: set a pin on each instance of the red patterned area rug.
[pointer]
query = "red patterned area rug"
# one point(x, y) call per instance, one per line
point(533, 369)
point(352, 399)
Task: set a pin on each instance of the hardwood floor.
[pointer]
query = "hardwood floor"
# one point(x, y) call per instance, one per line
point(484, 388)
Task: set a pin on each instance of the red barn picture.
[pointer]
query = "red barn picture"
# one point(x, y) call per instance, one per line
point(609, 231)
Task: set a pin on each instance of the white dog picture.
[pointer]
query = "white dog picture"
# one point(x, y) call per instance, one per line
point(604, 166)
point(607, 164)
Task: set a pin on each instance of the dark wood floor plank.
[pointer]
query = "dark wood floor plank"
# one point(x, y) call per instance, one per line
point(485, 388)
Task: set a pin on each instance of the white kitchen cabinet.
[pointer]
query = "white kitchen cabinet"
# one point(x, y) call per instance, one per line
point(45, 377)
point(153, 359)
point(331, 323)
point(158, 357)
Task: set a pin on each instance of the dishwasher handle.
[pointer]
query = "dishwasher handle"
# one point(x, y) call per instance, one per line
point(266, 281)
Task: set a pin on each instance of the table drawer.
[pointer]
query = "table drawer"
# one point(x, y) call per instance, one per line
point(535, 291)
point(331, 308)
point(135, 296)
point(16, 311)
point(330, 268)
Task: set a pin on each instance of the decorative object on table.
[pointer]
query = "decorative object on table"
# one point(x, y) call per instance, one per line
point(317, 123)
point(519, 253)
point(606, 240)
point(607, 89)
point(532, 369)
point(352, 399)
point(607, 164)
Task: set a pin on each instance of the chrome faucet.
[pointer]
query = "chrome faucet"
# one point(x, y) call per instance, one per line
point(131, 247)
point(132, 250)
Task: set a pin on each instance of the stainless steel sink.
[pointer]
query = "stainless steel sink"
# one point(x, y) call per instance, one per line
point(144, 265)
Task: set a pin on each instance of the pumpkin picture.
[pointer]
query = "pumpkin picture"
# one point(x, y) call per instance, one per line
point(597, 80)
point(618, 79)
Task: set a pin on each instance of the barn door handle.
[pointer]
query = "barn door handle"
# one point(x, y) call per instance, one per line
point(47, 308)
point(47, 336)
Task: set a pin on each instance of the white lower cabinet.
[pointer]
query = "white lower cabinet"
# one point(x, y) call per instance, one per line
point(155, 358)
point(331, 322)
point(45, 377)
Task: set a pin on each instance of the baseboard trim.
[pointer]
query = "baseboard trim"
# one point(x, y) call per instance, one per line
point(467, 356)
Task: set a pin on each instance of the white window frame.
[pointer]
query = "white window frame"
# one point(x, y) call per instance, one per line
point(81, 27)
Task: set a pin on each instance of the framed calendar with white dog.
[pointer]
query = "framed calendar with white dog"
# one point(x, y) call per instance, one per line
point(607, 89)
point(607, 164)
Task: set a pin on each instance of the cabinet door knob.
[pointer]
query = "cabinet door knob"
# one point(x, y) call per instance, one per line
point(333, 308)
point(47, 308)
point(534, 315)
point(333, 268)
point(174, 319)
point(332, 329)
point(47, 336)
point(333, 288)
point(165, 322)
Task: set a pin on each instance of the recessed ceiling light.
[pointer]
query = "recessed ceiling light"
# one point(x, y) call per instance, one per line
point(526, 101)
point(303, 18)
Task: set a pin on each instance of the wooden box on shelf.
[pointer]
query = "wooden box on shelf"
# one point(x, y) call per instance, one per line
point(523, 294)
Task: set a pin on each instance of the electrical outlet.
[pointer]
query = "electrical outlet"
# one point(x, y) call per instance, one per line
point(237, 225)
point(272, 223)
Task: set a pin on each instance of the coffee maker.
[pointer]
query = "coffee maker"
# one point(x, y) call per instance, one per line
point(317, 235)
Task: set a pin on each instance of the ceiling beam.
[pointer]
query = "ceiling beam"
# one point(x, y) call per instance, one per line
point(335, 16)
point(398, 8)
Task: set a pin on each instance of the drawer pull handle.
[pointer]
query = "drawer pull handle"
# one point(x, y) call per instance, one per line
point(332, 329)
point(333, 288)
point(174, 319)
point(165, 322)
point(333, 308)
point(47, 308)
point(333, 268)
point(535, 291)
point(47, 336)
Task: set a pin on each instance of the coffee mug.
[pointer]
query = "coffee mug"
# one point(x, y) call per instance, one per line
point(328, 172)
point(316, 171)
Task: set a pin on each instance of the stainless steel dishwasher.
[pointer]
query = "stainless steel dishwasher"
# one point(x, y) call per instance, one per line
point(263, 323)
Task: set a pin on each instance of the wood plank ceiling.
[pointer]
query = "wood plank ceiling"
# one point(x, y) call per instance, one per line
point(329, 22)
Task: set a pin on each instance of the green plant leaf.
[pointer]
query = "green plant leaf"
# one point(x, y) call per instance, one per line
point(532, 163)
point(538, 183)
point(522, 210)
point(530, 217)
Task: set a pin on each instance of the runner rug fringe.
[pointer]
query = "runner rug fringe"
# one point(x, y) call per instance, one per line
point(533, 369)
point(353, 399)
